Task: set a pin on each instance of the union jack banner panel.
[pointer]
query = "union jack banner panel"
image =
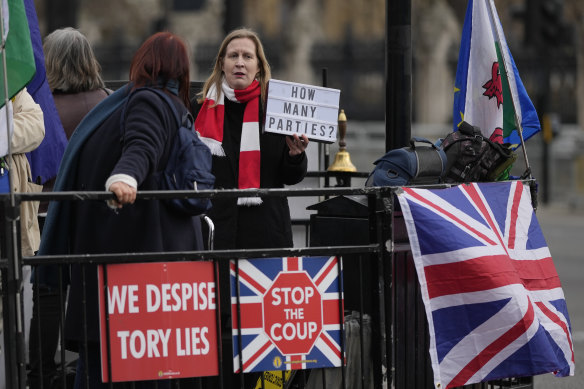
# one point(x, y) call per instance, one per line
point(493, 298)
point(290, 313)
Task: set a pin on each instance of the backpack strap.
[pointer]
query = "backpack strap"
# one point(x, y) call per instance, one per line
point(186, 120)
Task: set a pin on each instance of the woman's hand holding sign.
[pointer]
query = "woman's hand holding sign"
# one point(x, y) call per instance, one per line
point(296, 144)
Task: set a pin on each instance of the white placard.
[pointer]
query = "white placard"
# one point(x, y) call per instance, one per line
point(302, 109)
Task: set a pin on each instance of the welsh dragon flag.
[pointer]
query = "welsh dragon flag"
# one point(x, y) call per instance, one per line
point(20, 66)
point(484, 94)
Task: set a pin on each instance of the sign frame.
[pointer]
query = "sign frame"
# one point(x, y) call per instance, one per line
point(294, 108)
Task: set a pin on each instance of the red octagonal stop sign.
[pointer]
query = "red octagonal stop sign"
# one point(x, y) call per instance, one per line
point(292, 309)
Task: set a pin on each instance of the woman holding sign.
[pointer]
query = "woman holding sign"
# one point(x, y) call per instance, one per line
point(229, 113)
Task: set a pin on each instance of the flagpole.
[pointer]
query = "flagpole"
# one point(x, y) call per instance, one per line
point(19, 372)
point(505, 59)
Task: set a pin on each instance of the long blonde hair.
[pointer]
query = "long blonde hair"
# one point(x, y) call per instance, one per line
point(216, 76)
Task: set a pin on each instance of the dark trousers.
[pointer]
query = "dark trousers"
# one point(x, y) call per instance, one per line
point(44, 337)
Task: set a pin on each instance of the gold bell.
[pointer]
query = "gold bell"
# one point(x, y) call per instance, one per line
point(342, 161)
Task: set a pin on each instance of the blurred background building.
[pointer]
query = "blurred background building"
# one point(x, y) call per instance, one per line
point(345, 40)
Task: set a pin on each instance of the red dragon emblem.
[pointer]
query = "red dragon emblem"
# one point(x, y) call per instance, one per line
point(493, 87)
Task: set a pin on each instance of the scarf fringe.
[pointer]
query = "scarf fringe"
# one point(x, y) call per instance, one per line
point(215, 146)
point(249, 201)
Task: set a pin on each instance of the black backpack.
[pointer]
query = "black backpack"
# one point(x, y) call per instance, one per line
point(413, 165)
point(474, 158)
point(189, 164)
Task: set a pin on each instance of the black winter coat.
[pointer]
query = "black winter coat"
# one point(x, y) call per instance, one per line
point(146, 225)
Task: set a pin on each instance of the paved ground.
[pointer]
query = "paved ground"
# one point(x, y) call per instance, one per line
point(563, 228)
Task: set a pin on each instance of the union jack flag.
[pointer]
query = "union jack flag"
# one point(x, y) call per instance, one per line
point(276, 334)
point(493, 298)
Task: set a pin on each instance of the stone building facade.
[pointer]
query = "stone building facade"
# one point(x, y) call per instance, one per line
point(306, 39)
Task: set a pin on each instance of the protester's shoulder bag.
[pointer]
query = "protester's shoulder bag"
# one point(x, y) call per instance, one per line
point(474, 158)
point(420, 163)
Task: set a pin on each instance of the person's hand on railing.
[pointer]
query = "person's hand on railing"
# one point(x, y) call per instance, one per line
point(125, 194)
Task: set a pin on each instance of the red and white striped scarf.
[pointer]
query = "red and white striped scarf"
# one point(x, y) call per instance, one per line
point(209, 124)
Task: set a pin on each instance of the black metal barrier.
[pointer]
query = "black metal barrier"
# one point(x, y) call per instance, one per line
point(387, 319)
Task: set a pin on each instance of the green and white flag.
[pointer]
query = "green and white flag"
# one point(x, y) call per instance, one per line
point(20, 65)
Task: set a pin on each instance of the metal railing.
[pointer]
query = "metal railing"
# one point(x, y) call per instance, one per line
point(387, 294)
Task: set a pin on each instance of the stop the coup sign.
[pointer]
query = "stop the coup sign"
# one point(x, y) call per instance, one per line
point(289, 313)
point(292, 310)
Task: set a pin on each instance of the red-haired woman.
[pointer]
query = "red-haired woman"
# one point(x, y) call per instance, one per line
point(123, 164)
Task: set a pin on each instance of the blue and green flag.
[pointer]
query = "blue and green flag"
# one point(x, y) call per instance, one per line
point(488, 91)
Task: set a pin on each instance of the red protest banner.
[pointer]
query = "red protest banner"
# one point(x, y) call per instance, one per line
point(161, 321)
